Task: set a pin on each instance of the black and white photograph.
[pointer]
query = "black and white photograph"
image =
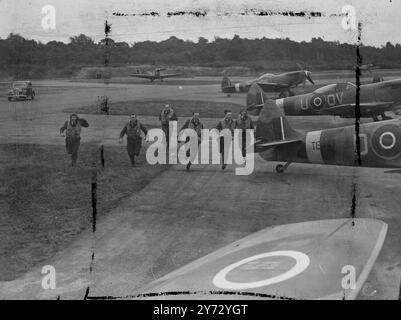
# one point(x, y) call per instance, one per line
point(216, 150)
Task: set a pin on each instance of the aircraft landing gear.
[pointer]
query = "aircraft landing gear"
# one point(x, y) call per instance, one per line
point(281, 168)
point(282, 95)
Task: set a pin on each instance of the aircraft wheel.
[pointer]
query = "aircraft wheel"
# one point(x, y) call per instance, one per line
point(279, 168)
point(282, 95)
point(292, 94)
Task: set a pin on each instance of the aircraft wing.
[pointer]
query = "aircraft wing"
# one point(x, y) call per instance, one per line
point(271, 86)
point(294, 261)
point(163, 76)
point(365, 108)
point(142, 75)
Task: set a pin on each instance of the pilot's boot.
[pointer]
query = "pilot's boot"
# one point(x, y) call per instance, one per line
point(74, 158)
point(132, 158)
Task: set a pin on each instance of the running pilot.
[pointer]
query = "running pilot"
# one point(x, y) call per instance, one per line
point(73, 135)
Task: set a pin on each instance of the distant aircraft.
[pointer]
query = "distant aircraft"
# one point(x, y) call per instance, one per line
point(365, 67)
point(269, 82)
point(337, 99)
point(286, 262)
point(276, 140)
point(155, 75)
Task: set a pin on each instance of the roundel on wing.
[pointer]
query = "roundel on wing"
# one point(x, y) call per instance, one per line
point(317, 102)
point(386, 141)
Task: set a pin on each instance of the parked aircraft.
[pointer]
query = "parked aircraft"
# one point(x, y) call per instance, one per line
point(337, 99)
point(269, 82)
point(377, 145)
point(155, 75)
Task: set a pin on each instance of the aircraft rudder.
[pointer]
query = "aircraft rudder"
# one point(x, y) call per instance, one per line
point(272, 125)
point(255, 99)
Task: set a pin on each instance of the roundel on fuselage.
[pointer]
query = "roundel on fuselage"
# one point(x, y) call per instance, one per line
point(386, 141)
point(317, 102)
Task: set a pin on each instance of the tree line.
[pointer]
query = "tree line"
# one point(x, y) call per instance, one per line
point(20, 57)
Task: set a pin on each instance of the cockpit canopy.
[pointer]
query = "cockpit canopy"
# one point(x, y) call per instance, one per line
point(335, 87)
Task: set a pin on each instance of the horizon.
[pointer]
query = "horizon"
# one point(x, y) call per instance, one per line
point(195, 41)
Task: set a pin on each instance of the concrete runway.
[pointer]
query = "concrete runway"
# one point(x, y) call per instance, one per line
point(162, 228)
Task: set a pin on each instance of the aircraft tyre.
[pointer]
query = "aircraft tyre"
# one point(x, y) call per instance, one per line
point(280, 168)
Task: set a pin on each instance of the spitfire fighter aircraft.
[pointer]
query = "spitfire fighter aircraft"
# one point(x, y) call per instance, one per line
point(379, 143)
point(155, 75)
point(337, 100)
point(269, 82)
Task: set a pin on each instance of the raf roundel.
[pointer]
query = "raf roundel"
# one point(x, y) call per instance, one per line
point(317, 102)
point(386, 141)
point(301, 263)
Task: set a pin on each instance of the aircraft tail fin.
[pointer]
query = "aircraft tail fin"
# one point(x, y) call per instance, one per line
point(273, 128)
point(225, 82)
point(255, 99)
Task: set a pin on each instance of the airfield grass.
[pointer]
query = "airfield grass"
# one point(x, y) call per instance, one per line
point(183, 108)
point(45, 203)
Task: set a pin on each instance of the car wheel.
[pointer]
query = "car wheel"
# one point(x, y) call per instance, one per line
point(280, 168)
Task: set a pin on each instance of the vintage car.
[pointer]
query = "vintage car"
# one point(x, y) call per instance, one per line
point(21, 90)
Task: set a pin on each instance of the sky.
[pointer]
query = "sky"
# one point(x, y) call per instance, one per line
point(224, 18)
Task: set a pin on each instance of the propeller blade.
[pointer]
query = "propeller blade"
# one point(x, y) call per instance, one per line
point(309, 79)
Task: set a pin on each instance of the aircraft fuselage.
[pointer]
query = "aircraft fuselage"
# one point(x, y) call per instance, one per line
point(317, 103)
point(293, 78)
point(380, 146)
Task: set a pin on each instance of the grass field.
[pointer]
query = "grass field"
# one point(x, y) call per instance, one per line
point(45, 203)
point(183, 108)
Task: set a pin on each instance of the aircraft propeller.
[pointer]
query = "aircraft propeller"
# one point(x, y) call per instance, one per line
point(306, 76)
